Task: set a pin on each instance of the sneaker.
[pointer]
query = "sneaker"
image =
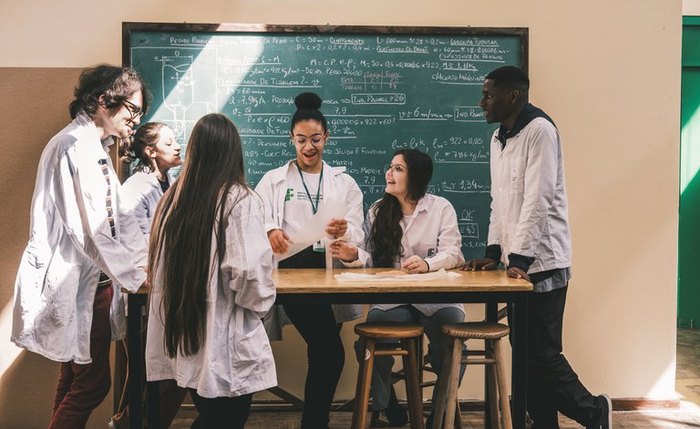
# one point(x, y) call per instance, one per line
point(606, 415)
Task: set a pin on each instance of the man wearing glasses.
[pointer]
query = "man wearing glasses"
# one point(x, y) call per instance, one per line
point(82, 250)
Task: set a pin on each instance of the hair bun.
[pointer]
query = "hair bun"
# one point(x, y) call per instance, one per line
point(308, 100)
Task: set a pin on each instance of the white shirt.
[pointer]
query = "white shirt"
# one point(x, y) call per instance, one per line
point(529, 209)
point(298, 205)
point(70, 242)
point(236, 358)
point(140, 194)
point(433, 234)
point(273, 187)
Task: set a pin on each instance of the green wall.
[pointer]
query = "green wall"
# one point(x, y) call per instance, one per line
point(689, 216)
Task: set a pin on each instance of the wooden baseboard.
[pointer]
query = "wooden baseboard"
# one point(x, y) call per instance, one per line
point(633, 404)
point(619, 404)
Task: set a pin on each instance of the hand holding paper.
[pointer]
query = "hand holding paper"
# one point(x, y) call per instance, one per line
point(329, 215)
point(337, 228)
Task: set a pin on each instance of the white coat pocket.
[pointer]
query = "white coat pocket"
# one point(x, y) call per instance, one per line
point(517, 175)
point(248, 342)
point(61, 290)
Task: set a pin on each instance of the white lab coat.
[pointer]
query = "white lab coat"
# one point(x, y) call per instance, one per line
point(235, 358)
point(70, 243)
point(337, 184)
point(140, 195)
point(529, 209)
point(432, 233)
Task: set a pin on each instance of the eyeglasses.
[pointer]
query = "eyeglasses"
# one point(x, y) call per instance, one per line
point(315, 140)
point(134, 110)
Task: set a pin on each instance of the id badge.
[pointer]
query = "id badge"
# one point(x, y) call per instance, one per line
point(319, 246)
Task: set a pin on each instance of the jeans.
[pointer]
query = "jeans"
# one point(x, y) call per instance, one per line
point(438, 343)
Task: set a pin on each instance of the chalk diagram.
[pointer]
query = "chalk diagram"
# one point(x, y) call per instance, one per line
point(177, 74)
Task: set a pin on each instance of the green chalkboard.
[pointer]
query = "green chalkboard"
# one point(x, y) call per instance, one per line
point(383, 88)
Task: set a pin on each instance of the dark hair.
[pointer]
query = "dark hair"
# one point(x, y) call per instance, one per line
point(181, 238)
point(509, 77)
point(384, 238)
point(116, 84)
point(308, 104)
point(147, 135)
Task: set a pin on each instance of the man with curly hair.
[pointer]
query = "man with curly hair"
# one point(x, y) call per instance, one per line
point(82, 250)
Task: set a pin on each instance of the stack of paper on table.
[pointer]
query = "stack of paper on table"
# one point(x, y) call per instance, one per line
point(390, 277)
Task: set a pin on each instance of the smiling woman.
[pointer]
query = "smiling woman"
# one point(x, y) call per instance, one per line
point(292, 195)
point(416, 232)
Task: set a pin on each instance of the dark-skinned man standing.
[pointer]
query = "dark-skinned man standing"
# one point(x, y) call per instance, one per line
point(529, 233)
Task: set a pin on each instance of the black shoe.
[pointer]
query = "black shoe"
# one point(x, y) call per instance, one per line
point(605, 421)
point(394, 412)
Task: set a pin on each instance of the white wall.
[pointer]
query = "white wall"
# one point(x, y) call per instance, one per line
point(606, 71)
point(691, 7)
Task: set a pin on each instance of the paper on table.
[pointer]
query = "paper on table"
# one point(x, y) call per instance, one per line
point(435, 275)
point(315, 228)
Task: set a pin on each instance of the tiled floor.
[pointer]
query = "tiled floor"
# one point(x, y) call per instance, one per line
point(687, 416)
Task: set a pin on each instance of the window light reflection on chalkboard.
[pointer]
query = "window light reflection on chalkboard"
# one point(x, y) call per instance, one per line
point(183, 98)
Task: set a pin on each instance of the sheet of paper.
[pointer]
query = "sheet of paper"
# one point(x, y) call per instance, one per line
point(315, 228)
point(362, 277)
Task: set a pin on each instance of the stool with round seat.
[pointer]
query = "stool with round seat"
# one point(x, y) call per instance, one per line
point(408, 335)
point(447, 389)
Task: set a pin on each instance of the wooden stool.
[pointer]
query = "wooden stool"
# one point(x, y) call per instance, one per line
point(447, 394)
point(409, 335)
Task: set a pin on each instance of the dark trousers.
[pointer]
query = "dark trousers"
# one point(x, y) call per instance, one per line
point(171, 396)
point(324, 348)
point(221, 413)
point(81, 388)
point(552, 384)
point(326, 357)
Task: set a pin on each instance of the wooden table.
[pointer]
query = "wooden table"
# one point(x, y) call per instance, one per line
point(306, 286)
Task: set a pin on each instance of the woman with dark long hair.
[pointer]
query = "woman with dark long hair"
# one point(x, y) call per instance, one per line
point(155, 151)
point(210, 267)
point(416, 232)
point(292, 194)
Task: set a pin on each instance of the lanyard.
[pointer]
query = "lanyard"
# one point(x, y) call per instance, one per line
point(314, 207)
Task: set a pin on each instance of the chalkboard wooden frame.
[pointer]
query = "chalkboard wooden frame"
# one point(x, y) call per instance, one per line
point(129, 27)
